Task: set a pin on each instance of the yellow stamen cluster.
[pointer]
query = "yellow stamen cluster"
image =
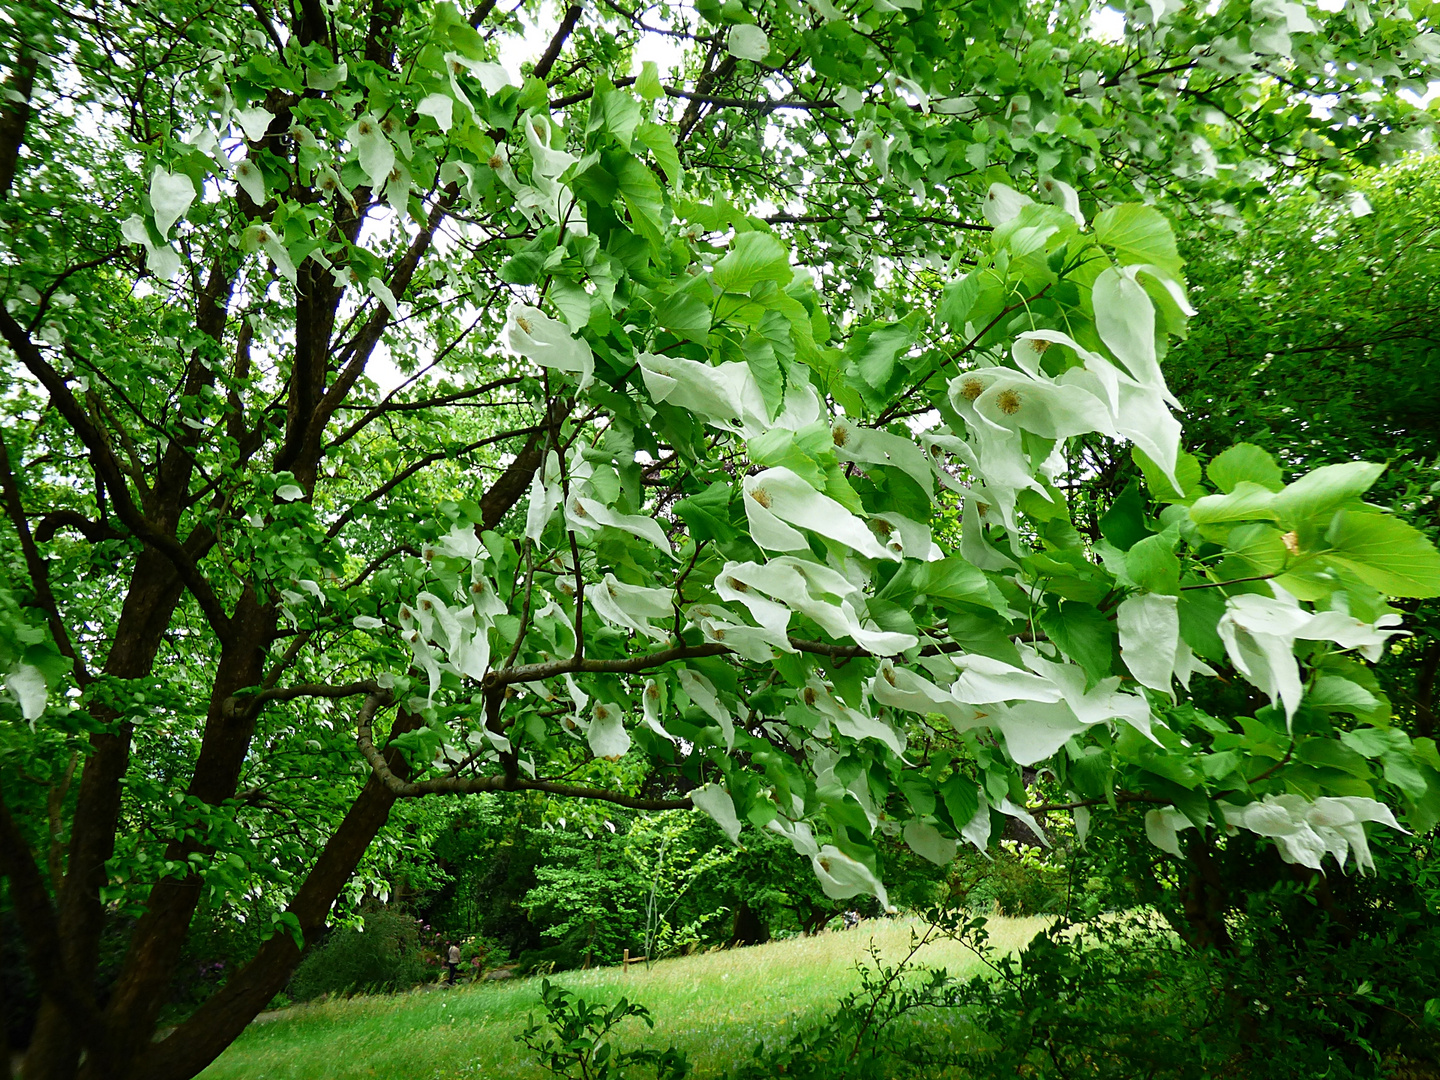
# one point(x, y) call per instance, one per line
point(1292, 542)
point(761, 496)
point(1008, 402)
point(1040, 345)
point(365, 129)
point(737, 584)
point(971, 388)
point(809, 696)
point(523, 323)
point(841, 434)
point(889, 675)
point(496, 161)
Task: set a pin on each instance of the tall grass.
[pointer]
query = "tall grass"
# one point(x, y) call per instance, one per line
point(714, 1006)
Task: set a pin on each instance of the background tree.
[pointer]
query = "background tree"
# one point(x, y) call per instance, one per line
point(220, 219)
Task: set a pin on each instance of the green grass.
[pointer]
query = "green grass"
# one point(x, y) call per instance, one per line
point(714, 1006)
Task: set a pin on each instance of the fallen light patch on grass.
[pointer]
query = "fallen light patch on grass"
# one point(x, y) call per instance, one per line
point(714, 1006)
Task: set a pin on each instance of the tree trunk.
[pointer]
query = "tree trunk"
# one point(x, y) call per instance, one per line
point(155, 590)
point(202, 1038)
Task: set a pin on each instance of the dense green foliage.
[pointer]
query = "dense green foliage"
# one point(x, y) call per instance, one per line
point(384, 955)
point(783, 433)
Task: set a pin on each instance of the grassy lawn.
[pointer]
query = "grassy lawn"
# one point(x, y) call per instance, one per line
point(714, 1006)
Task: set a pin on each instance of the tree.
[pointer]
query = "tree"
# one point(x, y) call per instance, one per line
point(759, 322)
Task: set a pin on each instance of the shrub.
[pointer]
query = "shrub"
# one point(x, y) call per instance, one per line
point(384, 955)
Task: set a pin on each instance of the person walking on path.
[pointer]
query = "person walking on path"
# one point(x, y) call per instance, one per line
point(452, 961)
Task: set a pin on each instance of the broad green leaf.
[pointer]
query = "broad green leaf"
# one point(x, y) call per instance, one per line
point(685, 315)
point(1247, 502)
point(961, 798)
point(1083, 634)
point(1332, 754)
point(954, 580)
point(1139, 234)
point(1372, 742)
point(1253, 549)
point(1324, 489)
point(707, 515)
point(1334, 694)
point(873, 353)
point(1153, 564)
point(1385, 553)
point(1187, 471)
point(648, 84)
point(1244, 462)
point(661, 144)
point(753, 257)
point(958, 299)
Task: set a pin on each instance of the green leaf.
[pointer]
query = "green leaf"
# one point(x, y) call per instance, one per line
point(1124, 523)
point(872, 353)
point(1248, 502)
point(1331, 754)
point(958, 299)
point(1139, 234)
point(1385, 553)
point(1082, 633)
point(1244, 461)
point(648, 84)
point(1153, 564)
point(1402, 770)
point(1324, 489)
point(1187, 471)
point(1254, 549)
point(657, 139)
point(961, 797)
point(1334, 694)
point(1372, 742)
point(707, 515)
point(954, 581)
point(753, 257)
point(685, 315)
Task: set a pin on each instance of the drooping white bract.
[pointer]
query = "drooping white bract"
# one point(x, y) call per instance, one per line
point(27, 684)
point(701, 691)
point(870, 447)
point(925, 840)
point(606, 734)
point(725, 627)
point(984, 679)
point(851, 723)
point(1305, 831)
point(632, 606)
point(901, 688)
point(803, 587)
point(778, 498)
point(585, 514)
point(1002, 203)
point(1150, 638)
point(842, 877)
point(160, 259)
point(545, 495)
point(650, 706)
point(171, 195)
point(1062, 195)
point(1260, 632)
point(724, 396)
point(532, 334)
point(716, 801)
point(374, 151)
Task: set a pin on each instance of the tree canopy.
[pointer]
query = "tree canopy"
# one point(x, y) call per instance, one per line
point(384, 422)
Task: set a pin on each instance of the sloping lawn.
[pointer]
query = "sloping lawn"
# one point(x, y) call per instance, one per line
point(714, 1006)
